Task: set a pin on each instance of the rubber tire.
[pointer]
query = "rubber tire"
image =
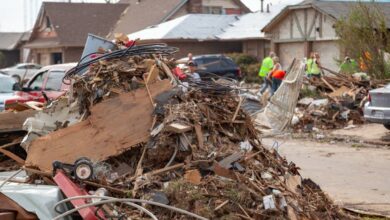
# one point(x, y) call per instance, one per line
point(387, 126)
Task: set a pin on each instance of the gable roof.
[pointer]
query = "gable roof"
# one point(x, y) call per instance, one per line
point(188, 27)
point(334, 9)
point(9, 40)
point(249, 26)
point(141, 14)
point(73, 21)
point(144, 13)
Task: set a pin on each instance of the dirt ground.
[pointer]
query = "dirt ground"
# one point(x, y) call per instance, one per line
point(353, 175)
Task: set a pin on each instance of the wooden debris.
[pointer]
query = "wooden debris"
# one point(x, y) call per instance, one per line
point(193, 176)
point(110, 130)
point(178, 127)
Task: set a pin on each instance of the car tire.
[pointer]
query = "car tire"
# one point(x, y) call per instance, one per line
point(387, 126)
point(17, 78)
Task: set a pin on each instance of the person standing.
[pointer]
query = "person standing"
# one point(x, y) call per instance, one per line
point(315, 70)
point(278, 72)
point(309, 63)
point(349, 66)
point(192, 74)
point(266, 66)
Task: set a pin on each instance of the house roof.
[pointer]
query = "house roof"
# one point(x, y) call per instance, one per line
point(9, 40)
point(335, 9)
point(73, 21)
point(211, 27)
point(141, 14)
point(249, 26)
point(144, 13)
point(188, 27)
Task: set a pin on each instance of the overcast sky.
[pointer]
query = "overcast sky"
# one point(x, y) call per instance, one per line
point(19, 15)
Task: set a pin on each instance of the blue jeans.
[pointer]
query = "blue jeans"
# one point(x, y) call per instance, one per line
point(275, 85)
point(265, 85)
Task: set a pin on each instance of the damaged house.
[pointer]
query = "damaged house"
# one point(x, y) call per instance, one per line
point(60, 30)
point(133, 18)
point(309, 26)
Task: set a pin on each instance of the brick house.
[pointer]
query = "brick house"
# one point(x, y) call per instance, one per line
point(61, 29)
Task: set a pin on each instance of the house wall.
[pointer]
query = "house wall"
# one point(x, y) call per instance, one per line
point(43, 56)
point(9, 58)
point(220, 3)
point(72, 54)
point(256, 48)
point(302, 31)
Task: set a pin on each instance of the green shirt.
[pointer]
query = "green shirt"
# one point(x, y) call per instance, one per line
point(350, 67)
point(315, 69)
point(309, 63)
point(266, 67)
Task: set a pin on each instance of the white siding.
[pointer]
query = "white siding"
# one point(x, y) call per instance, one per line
point(329, 53)
point(289, 51)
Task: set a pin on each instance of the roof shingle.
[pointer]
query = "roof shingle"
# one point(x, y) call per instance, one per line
point(73, 21)
point(9, 40)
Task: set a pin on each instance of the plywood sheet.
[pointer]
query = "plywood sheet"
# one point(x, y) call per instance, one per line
point(115, 125)
point(13, 121)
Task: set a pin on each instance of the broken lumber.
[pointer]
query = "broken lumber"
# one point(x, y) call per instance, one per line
point(115, 125)
point(13, 121)
point(178, 127)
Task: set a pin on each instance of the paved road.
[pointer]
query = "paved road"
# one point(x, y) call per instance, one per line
point(350, 175)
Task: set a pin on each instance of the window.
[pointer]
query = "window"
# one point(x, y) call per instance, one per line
point(54, 81)
point(37, 82)
point(227, 63)
point(22, 67)
point(211, 63)
point(213, 10)
point(48, 23)
point(56, 58)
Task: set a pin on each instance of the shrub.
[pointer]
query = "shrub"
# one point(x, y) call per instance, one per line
point(249, 66)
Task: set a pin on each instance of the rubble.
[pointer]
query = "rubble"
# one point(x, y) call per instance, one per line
point(164, 151)
point(338, 103)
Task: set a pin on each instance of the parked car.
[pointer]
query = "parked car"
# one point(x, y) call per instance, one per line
point(215, 64)
point(377, 109)
point(22, 70)
point(8, 86)
point(48, 81)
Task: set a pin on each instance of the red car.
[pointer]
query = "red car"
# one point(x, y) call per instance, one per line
point(47, 81)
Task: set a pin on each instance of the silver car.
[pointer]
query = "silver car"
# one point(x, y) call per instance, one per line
point(8, 86)
point(377, 109)
point(22, 70)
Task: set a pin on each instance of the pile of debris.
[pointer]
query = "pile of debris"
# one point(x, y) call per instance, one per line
point(129, 133)
point(337, 102)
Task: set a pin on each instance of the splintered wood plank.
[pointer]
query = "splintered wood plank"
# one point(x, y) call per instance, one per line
point(13, 121)
point(115, 125)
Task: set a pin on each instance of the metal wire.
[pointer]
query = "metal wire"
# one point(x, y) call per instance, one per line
point(146, 49)
point(127, 200)
point(102, 203)
point(9, 178)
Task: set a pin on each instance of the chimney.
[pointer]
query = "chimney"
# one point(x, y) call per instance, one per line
point(267, 8)
point(194, 6)
point(262, 5)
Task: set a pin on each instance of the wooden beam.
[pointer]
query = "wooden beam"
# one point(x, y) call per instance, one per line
point(298, 24)
point(305, 22)
point(291, 28)
point(12, 156)
point(313, 22)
